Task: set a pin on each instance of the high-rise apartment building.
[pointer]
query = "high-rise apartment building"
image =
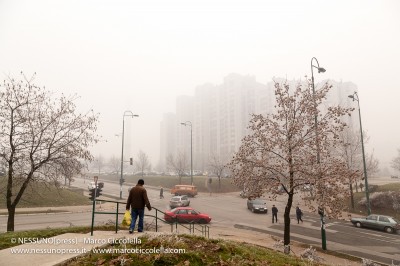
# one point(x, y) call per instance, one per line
point(220, 115)
point(168, 130)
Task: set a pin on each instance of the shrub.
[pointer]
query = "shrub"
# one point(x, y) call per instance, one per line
point(383, 200)
point(310, 254)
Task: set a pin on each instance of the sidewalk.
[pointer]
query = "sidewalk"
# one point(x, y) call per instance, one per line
point(58, 249)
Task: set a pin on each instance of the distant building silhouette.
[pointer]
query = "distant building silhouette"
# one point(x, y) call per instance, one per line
point(220, 116)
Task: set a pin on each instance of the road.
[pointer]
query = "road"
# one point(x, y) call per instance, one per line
point(229, 211)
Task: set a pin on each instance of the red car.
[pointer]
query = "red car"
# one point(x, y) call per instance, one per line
point(186, 215)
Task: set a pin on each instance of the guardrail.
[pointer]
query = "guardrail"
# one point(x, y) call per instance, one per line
point(205, 229)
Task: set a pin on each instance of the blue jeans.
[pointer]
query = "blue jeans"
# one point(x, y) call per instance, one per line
point(135, 213)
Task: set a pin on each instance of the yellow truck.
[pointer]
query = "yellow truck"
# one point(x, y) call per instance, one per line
point(188, 190)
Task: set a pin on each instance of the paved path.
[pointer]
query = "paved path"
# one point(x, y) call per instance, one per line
point(57, 250)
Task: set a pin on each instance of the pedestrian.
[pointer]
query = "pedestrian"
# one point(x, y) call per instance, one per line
point(274, 214)
point(137, 200)
point(299, 213)
point(161, 193)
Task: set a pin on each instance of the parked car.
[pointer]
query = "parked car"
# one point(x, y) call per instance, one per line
point(381, 222)
point(179, 201)
point(307, 187)
point(257, 205)
point(186, 215)
point(188, 190)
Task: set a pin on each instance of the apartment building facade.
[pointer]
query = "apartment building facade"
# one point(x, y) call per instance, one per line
point(220, 114)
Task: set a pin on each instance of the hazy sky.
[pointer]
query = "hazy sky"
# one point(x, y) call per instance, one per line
point(140, 55)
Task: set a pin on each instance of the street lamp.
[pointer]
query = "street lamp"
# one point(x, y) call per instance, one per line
point(320, 70)
point(188, 123)
point(355, 98)
point(121, 180)
point(320, 210)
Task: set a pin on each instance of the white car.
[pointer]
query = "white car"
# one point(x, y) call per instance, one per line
point(179, 201)
point(92, 185)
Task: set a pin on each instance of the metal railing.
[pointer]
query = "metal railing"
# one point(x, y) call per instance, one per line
point(205, 229)
point(191, 226)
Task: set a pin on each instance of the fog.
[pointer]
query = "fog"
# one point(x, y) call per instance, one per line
point(141, 55)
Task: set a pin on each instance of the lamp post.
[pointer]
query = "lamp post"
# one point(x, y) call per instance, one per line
point(320, 210)
point(355, 98)
point(121, 180)
point(188, 123)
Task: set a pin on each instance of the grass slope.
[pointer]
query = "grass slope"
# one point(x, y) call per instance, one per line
point(39, 194)
point(359, 209)
point(198, 251)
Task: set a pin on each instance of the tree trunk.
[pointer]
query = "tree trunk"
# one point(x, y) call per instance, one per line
point(219, 184)
point(11, 218)
point(286, 234)
point(11, 205)
point(351, 196)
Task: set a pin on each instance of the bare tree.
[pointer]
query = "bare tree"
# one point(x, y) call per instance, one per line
point(217, 167)
point(67, 168)
point(115, 164)
point(350, 151)
point(353, 141)
point(372, 164)
point(98, 163)
point(39, 132)
point(179, 164)
point(281, 151)
point(84, 173)
point(142, 163)
point(395, 164)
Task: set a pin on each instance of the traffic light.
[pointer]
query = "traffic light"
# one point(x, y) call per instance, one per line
point(121, 181)
point(131, 161)
point(91, 194)
point(98, 192)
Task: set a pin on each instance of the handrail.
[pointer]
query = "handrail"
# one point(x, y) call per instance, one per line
point(205, 230)
point(94, 211)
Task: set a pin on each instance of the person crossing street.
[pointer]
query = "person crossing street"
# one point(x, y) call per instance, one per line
point(274, 214)
point(299, 213)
